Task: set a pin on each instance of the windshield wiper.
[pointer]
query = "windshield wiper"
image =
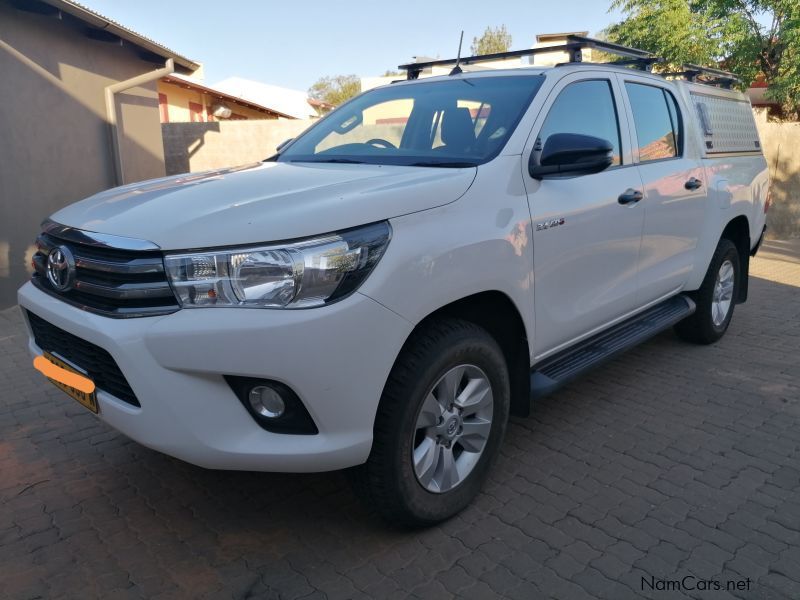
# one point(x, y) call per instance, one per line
point(444, 164)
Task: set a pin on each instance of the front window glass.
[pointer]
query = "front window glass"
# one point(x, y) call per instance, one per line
point(459, 122)
point(384, 121)
point(585, 108)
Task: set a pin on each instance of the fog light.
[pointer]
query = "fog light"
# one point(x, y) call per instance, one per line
point(266, 402)
point(274, 406)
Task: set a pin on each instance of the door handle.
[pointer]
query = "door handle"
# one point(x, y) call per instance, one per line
point(630, 196)
point(693, 184)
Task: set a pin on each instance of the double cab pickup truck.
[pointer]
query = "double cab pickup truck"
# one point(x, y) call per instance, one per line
point(423, 262)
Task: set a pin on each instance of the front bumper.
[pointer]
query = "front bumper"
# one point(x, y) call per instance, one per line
point(336, 358)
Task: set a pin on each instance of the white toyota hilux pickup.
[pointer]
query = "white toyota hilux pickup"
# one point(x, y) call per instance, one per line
point(415, 267)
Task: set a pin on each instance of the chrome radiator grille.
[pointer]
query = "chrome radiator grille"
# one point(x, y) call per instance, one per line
point(97, 277)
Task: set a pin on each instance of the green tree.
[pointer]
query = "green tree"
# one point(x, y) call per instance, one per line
point(494, 39)
point(335, 90)
point(747, 36)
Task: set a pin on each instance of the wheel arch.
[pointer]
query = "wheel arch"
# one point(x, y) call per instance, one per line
point(738, 231)
point(496, 313)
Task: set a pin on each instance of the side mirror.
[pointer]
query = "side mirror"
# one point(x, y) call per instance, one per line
point(282, 145)
point(571, 154)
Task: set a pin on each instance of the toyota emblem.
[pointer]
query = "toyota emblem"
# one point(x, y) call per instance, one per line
point(61, 268)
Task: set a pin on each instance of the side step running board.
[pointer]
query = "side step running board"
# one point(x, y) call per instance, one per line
point(554, 372)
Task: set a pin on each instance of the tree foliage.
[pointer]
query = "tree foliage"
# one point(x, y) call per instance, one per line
point(748, 37)
point(335, 90)
point(494, 39)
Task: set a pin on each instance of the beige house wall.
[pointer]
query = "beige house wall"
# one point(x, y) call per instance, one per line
point(192, 147)
point(781, 142)
point(549, 59)
point(55, 139)
point(178, 99)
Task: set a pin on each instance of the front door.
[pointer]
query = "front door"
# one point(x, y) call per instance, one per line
point(585, 241)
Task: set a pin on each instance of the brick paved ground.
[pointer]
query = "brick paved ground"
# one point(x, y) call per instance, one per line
point(673, 460)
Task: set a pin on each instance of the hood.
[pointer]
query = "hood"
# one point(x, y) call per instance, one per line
point(263, 202)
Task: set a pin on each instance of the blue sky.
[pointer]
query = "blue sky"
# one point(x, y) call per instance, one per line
point(293, 43)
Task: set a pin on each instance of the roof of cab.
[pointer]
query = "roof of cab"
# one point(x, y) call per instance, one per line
point(470, 72)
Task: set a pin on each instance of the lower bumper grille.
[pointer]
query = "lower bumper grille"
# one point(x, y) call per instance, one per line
point(99, 365)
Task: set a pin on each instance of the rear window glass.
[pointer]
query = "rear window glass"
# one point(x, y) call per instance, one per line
point(657, 130)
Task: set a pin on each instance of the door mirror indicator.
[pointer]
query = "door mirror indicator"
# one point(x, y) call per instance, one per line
point(571, 154)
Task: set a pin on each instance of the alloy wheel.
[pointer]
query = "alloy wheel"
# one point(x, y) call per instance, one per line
point(723, 293)
point(452, 428)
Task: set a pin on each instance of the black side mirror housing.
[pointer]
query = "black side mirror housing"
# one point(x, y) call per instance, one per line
point(566, 154)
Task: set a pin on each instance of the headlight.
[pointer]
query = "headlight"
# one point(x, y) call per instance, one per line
point(301, 274)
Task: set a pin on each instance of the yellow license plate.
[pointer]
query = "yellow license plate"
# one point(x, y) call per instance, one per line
point(89, 400)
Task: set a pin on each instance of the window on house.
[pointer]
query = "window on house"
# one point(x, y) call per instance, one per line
point(196, 112)
point(163, 107)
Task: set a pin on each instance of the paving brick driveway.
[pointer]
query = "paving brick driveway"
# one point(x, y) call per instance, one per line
point(673, 461)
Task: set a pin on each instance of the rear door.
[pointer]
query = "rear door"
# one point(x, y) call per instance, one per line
point(585, 242)
point(674, 186)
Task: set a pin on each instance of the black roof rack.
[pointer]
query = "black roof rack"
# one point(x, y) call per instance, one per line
point(574, 46)
point(706, 75)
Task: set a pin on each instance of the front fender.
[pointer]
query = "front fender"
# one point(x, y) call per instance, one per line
point(482, 242)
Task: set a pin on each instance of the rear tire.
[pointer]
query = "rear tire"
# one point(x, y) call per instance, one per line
point(440, 422)
point(715, 299)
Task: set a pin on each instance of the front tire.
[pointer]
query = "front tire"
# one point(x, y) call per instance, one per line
point(440, 422)
point(715, 299)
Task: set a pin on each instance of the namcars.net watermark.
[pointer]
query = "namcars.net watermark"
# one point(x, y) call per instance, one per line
point(690, 583)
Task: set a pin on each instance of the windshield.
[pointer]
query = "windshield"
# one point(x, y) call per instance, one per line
point(452, 123)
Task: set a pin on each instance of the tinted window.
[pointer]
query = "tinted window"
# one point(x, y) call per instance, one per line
point(651, 116)
point(587, 108)
point(478, 112)
point(677, 124)
point(453, 122)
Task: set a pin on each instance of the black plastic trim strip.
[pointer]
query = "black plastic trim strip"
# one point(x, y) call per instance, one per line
point(556, 371)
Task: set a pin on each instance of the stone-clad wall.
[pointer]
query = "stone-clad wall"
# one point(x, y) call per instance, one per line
point(203, 146)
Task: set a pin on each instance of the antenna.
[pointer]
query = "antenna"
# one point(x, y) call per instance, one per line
point(456, 70)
